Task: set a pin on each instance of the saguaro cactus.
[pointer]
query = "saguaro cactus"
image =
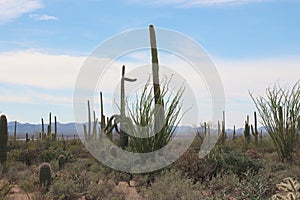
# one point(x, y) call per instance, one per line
point(247, 132)
point(234, 133)
point(49, 126)
point(254, 130)
point(123, 135)
point(43, 129)
point(88, 134)
point(223, 137)
point(159, 115)
point(102, 117)
point(3, 142)
point(15, 133)
point(55, 128)
point(45, 174)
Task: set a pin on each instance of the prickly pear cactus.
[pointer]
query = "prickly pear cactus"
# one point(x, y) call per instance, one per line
point(45, 174)
point(288, 189)
point(61, 161)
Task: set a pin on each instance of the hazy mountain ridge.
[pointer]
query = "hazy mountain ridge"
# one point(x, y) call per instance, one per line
point(69, 129)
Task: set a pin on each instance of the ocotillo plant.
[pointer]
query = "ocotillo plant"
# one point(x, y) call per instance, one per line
point(123, 135)
point(159, 116)
point(3, 142)
point(247, 132)
point(45, 175)
point(254, 130)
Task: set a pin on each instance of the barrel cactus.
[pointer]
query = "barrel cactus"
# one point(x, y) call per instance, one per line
point(45, 174)
point(61, 161)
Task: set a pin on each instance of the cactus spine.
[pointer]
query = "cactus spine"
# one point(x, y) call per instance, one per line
point(45, 174)
point(3, 142)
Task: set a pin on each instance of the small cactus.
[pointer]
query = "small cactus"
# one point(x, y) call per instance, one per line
point(288, 189)
point(45, 174)
point(61, 161)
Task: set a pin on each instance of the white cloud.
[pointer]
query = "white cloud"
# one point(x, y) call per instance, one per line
point(52, 74)
point(12, 9)
point(38, 69)
point(43, 17)
point(192, 3)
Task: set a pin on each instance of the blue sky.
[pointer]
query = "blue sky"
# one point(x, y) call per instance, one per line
point(44, 43)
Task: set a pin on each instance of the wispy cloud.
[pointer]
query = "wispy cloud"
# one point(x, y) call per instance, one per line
point(42, 17)
point(193, 3)
point(12, 9)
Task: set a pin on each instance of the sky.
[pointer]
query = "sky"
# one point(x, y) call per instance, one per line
point(44, 44)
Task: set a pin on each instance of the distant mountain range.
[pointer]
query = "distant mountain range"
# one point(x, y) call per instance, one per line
point(69, 129)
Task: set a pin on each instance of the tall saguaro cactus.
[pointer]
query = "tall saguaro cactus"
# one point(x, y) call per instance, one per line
point(88, 132)
point(55, 128)
point(3, 142)
point(254, 130)
point(123, 135)
point(159, 115)
point(49, 126)
point(43, 129)
point(15, 133)
point(223, 137)
point(247, 132)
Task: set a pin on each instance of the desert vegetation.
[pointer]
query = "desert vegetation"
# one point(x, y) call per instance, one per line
point(248, 166)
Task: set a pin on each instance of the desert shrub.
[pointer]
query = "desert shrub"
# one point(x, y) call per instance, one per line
point(62, 189)
point(239, 163)
point(194, 168)
point(172, 185)
point(103, 191)
point(17, 171)
point(253, 186)
point(29, 156)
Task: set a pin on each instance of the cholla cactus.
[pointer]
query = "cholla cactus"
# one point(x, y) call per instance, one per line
point(288, 189)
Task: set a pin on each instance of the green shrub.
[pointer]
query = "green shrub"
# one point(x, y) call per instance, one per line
point(62, 189)
point(103, 191)
point(253, 186)
point(172, 185)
